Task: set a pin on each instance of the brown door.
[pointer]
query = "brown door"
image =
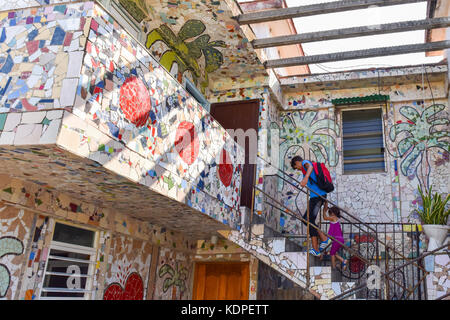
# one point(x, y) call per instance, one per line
point(240, 115)
point(221, 281)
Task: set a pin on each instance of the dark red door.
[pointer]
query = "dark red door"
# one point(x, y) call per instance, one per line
point(241, 115)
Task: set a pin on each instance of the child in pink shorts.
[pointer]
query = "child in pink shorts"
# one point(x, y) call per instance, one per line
point(336, 232)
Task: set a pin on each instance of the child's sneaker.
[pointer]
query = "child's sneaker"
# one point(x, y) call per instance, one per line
point(314, 252)
point(344, 265)
point(324, 244)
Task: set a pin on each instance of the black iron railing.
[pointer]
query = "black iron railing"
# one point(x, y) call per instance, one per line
point(384, 245)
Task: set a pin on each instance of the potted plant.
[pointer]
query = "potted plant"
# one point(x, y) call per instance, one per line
point(434, 216)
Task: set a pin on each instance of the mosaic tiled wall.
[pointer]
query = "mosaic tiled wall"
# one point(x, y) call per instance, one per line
point(15, 228)
point(44, 62)
point(41, 53)
point(174, 275)
point(315, 133)
point(124, 248)
point(6, 5)
point(268, 119)
point(128, 273)
point(438, 281)
point(109, 89)
point(198, 40)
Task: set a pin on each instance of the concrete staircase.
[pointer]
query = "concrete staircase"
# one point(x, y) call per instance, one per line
point(290, 259)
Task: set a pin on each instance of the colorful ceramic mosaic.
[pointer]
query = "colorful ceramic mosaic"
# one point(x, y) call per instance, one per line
point(200, 40)
point(438, 282)
point(268, 115)
point(137, 141)
point(15, 227)
point(122, 262)
point(173, 278)
point(127, 275)
point(402, 121)
point(41, 53)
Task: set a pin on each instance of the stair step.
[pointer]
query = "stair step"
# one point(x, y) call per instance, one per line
point(284, 245)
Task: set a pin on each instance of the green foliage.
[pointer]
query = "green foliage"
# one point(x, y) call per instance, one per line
point(186, 53)
point(434, 209)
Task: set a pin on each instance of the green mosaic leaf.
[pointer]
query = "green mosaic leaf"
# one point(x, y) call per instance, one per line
point(8, 190)
point(191, 29)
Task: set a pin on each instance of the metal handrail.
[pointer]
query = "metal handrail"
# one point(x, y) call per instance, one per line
point(289, 212)
point(366, 225)
point(385, 274)
point(329, 201)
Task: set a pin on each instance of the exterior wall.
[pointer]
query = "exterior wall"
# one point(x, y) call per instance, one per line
point(198, 40)
point(391, 196)
point(174, 276)
point(438, 281)
point(268, 118)
point(15, 229)
point(68, 78)
point(127, 259)
point(127, 277)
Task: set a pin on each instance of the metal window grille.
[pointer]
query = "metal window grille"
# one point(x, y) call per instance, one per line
point(363, 143)
point(69, 269)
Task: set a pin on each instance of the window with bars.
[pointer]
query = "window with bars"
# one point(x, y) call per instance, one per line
point(70, 265)
point(362, 132)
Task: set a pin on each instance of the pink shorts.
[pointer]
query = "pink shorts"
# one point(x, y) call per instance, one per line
point(335, 246)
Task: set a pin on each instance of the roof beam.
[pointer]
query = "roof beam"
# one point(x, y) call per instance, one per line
point(352, 32)
point(315, 9)
point(357, 54)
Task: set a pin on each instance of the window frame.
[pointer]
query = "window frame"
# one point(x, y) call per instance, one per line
point(63, 246)
point(369, 106)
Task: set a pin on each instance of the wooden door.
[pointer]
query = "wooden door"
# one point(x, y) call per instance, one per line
point(221, 281)
point(240, 115)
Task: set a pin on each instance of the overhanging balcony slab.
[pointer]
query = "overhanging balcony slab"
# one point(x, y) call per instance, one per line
point(55, 168)
point(88, 111)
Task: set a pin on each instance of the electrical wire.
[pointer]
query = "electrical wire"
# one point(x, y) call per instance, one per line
point(429, 85)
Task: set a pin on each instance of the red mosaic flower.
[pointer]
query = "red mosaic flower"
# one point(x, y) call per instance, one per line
point(186, 142)
point(135, 101)
point(225, 169)
point(134, 289)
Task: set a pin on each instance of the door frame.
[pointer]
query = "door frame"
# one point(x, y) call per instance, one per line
point(257, 102)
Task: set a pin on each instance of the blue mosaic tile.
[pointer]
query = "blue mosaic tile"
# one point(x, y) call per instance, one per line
point(58, 36)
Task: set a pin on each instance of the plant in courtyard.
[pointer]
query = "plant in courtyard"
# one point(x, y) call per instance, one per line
point(421, 135)
point(434, 208)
